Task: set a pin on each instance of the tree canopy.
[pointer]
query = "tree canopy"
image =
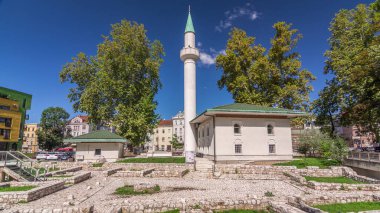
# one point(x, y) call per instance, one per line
point(273, 77)
point(52, 127)
point(354, 61)
point(117, 86)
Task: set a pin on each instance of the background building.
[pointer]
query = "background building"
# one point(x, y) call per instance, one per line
point(13, 107)
point(30, 139)
point(79, 125)
point(162, 135)
point(179, 126)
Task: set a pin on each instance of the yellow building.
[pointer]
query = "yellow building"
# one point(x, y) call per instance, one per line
point(30, 142)
point(13, 106)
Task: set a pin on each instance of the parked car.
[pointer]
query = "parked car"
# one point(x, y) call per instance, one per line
point(64, 156)
point(377, 149)
point(52, 156)
point(42, 156)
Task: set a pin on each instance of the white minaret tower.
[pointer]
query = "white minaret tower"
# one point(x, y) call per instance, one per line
point(189, 55)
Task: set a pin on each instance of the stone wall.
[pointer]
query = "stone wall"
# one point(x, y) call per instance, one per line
point(133, 173)
point(277, 170)
point(344, 186)
point(157, 173)
point(189, 205)
point(30, 195)
point(86, 209)
point(348, 172)
point(111, 171)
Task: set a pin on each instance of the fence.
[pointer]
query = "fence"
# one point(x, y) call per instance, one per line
point(364, 156)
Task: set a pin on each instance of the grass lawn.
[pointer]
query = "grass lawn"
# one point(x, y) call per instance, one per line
point(97, 164)
point(154, 160)
point(172, 211)
point(333, 180)
point(349, 207)
point(16, 188)
point(129, 190)
point(303, 162)
point(242, 211)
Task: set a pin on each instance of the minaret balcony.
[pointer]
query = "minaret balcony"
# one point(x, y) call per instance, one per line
point(189, 53)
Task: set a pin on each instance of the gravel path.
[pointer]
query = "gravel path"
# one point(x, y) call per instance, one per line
point(98, 191)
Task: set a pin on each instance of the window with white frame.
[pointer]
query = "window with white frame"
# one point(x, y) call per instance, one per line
point(238, 148)
point(272, 148)
point(270, 129)
point(237, 128)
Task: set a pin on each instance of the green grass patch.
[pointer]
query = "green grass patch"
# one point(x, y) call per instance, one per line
point(304, 162)
point(333, 180)
point(172, 211)
point(242, 211)
point(129, 190)
point(16, 188)
point(97, 164)
point(154, 160)
point(349, 207)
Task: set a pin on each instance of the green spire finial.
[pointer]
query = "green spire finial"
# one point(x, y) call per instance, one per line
point(189, 24)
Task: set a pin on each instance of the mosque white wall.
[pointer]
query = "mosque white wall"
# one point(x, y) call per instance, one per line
point(253, 139)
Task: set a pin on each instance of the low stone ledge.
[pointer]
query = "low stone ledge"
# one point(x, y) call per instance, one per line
point(157, 173)
point(283, 208)
point(79, 178)
point(350, 173)
point(296, 177)
point(86, 209)
point(342, 186)
point(30, 195)
point(191, 205)
point(133, 173)
point(63, 171)
point(111, 171)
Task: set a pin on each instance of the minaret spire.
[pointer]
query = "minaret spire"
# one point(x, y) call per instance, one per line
point(189, 55)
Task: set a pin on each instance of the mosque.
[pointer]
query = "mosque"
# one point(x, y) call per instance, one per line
point(234, 132)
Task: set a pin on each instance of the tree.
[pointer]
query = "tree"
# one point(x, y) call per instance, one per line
point(175, 143)
point(353, 59)
point(327, 107)
point(53, 123)
point(256, 76)
point(117, 86)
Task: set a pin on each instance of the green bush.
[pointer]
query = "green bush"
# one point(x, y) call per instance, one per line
point(154, 160)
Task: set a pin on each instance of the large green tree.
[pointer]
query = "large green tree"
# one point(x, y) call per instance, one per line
point(118, 85)
point(273, 77)
point(327, 107)
point(52, 127)
point(354, 60)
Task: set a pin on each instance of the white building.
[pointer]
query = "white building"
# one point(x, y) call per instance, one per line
point(179, 126)
point(244, 132)
point(79, 125)
point(100, 145)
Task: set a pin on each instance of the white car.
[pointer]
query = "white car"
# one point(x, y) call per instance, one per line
point(42, 156)
point(52, 156)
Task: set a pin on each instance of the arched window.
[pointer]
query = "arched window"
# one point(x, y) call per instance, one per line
point(237, 129)
point(270, 129)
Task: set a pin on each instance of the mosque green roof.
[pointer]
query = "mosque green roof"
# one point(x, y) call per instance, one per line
point(99, 136)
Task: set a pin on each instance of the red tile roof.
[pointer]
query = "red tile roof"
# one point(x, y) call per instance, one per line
point(165, 123)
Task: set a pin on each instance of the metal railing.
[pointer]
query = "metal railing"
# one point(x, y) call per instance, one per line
point(15, 158)
point(364, 156)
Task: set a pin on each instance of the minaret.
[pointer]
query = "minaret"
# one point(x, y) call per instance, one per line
point(189, 55)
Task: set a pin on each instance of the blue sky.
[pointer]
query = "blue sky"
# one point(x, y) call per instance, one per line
point(38, 37)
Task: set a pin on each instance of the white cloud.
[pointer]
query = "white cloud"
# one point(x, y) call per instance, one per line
point(209, 58)
point(237, 12)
